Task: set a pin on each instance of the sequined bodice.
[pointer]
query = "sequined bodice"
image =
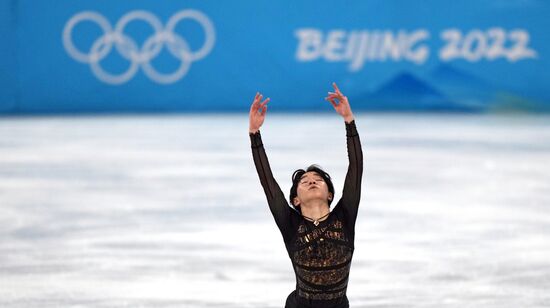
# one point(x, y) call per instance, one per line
point(321, 257)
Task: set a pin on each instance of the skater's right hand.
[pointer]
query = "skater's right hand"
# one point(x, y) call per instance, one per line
point(257, 113)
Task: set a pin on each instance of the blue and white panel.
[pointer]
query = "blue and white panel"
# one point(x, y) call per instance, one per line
point(139, 56)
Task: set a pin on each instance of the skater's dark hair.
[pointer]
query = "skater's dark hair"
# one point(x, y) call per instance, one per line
point(296, 176)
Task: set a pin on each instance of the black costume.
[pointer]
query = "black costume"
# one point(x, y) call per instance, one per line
point(321, 255)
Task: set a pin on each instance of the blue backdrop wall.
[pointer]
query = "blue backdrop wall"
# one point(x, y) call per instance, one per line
point(140, 55)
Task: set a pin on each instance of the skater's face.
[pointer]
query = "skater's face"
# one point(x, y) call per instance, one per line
point(312, 187)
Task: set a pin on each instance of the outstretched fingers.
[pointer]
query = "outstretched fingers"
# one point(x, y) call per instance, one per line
point(263, 106)
point(332, 96)
point(258, 110)
point(338, 94)
point(258, 105)
point(336, 89)
point(332, 101)
point(263, 110)
point(256, 102)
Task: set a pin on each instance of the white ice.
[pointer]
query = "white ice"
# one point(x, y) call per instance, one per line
point(168, 211)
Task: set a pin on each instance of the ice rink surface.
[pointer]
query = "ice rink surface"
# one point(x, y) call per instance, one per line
point(168, 211)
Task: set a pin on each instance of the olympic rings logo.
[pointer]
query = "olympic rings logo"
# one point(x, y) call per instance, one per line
point(128, 48)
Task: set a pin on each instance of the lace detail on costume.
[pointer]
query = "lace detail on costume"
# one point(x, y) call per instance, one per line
point(321, 277)
point(338, 287)
point(322, 261)
point(321, 296)
point(331, 231)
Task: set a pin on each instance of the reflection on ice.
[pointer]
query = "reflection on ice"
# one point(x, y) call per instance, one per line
point(167, 211)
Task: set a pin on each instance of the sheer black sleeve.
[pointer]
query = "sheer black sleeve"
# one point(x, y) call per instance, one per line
point(352, 184)
point(275, 198)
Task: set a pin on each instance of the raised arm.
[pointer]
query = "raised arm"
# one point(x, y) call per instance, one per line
point(275, 197)
point(352, 184)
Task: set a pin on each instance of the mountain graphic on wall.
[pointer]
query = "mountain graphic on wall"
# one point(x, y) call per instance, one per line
point(408, 92)
point(448, 74)
point(462, 87)
point(446, 88)
point(471, 91)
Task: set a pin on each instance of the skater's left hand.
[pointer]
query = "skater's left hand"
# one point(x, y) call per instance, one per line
point(340, 103)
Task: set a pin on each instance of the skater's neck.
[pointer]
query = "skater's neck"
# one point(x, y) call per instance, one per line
point(315, 209)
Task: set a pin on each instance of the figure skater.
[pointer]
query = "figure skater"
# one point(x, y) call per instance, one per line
point(319, 242)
